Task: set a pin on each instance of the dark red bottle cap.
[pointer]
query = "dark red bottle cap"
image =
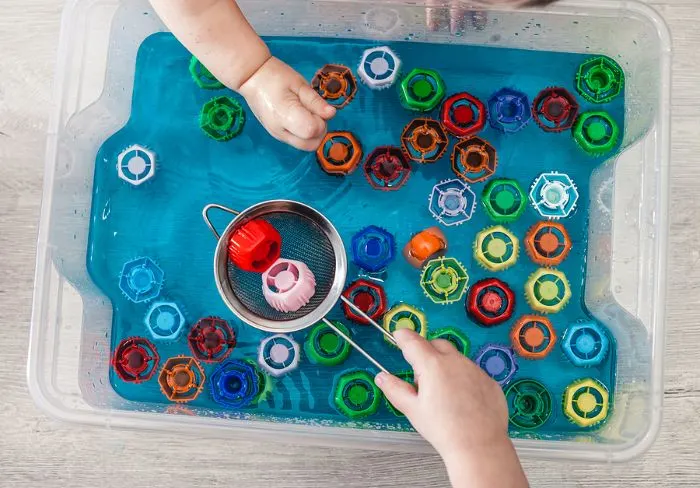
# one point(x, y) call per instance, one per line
point(255, 246)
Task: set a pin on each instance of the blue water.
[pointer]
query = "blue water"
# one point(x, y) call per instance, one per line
point(162, 218)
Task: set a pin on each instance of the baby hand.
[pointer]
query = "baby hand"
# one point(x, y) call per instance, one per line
point(286, 105)
point(459, 409)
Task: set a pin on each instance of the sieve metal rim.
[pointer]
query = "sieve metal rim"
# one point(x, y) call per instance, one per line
point(221, 264)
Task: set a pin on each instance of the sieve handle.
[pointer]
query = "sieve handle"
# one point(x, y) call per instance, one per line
point(354, 344)
point(359, 312)
point(205, 216)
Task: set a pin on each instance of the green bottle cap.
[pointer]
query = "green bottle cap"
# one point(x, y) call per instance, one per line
point(356, 395)
point(504, 200)
point(324, 346)
point(406, 376)
point(421, 90)
point(599, 79)
point(454, 335)
point(529, 404)
point(596, 132)
point(222, 118)
point(444, 280)
point(202, 76)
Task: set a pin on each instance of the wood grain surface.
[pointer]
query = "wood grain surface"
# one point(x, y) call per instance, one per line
point(36, 451)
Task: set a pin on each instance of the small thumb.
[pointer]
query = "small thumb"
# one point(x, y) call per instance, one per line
point(401, 394)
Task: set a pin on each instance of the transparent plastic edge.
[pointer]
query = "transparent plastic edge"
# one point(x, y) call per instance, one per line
point(343, 437)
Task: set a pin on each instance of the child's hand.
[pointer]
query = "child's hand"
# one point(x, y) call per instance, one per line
point(458, 409)
point(286, 105)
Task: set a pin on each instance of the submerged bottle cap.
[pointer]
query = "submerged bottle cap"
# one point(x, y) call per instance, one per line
point(136, 165)
point(235, 384)
point(211, 339)
point(463, 114)
point(529, 404)
point(600, 79)
point(339, 153)
point(379, 67)
point(422, 90)
point(405, 316)
point(504, 200)
point(373, 248)
point(555, 109)
point(490, 302)
point(141, 280)
point(368, 296)
point(222, 118)
point(586, 344)
point(181, 379)
point(586, 402)
point(164, 320)
point(596, 132)
point(336, 84)
point(254, 246)
point(547, 290)
point(554, 195)
point(387, 168)
point(533, 336)
point(452, 202)
point(324, 346)
point(444, 280)
point(509, 110)
point(202, 76)
point(356, 395)
point(498, 362)
point(135, 360)
point(424, 140)
point(548, 243)
point(455, 336)
point(278, 354)
point(474, 159)
point(288, 285)
point(496, 248)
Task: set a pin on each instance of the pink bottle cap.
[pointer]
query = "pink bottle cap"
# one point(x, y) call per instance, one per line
point(288, 285)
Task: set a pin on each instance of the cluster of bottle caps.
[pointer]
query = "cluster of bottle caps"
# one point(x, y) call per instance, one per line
point(425, 140)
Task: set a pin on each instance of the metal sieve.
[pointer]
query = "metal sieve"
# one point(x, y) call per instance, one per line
point(307, 236)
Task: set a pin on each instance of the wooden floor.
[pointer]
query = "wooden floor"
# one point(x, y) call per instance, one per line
point(35, 451)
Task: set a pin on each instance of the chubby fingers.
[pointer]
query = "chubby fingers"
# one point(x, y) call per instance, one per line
point(415, 349)
point(315, 103)
point(401, 394)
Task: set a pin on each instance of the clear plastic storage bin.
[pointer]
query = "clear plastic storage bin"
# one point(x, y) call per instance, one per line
point(625, 287)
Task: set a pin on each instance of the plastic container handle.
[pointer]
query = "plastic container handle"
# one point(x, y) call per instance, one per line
point(205, 216)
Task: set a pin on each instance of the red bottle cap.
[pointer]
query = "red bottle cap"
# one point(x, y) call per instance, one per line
point(254, 246)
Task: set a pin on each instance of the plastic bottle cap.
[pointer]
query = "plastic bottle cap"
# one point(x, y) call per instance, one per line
point(330, 341)
point(585, 344)
point(422, 88)
point(405, 323)
point(379, 66)
point(533, 337)
point(495, 365)
point(338, 151)
point(463, 115)
point(586, 402)
point(141, 279)
point(491, 302)
point(505, 199)
point(136, 165)
point(548, 290)
point(548, 243)
point(279, 353)
point(364, 301)
point(358, 394)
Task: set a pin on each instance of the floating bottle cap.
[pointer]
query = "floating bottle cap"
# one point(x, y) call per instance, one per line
point(533, 336)
point(509, 110)
point(141, 280)
point(463, 114)
point(404, 316)
point(136, 165)
point(547, 290)
point(474, 159)
point(181, 379)
point(336, 84)
point(324, 346)
point(490, 302)
point(424, 140)
point(387, 168)
point(202, 76)
point(596, 132)
point(235, 384)
point(496, 248)
point(586, 344)
point(339, 153)
point(548, 243)
point(455, 336)
point(373, 248)
point(222, 118)
point(600, 79)
point(254, 246)
point(408, 377)
point(278, 354)
point(211, 339)
point(288, 285)
point(421, 90)
point(452, 202)
point(504, 200)
point(498, 362)
point(586, 402)
point(554, 195)
point(444, 280)
point(425, 245)
point(369, 297)
point(135, 360)
point(529, 404)
point(356, 395)
point(379, 67)
point(164, 320)
point(555, 109)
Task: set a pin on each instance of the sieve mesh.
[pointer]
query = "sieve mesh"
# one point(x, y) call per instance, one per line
point(302, 240)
